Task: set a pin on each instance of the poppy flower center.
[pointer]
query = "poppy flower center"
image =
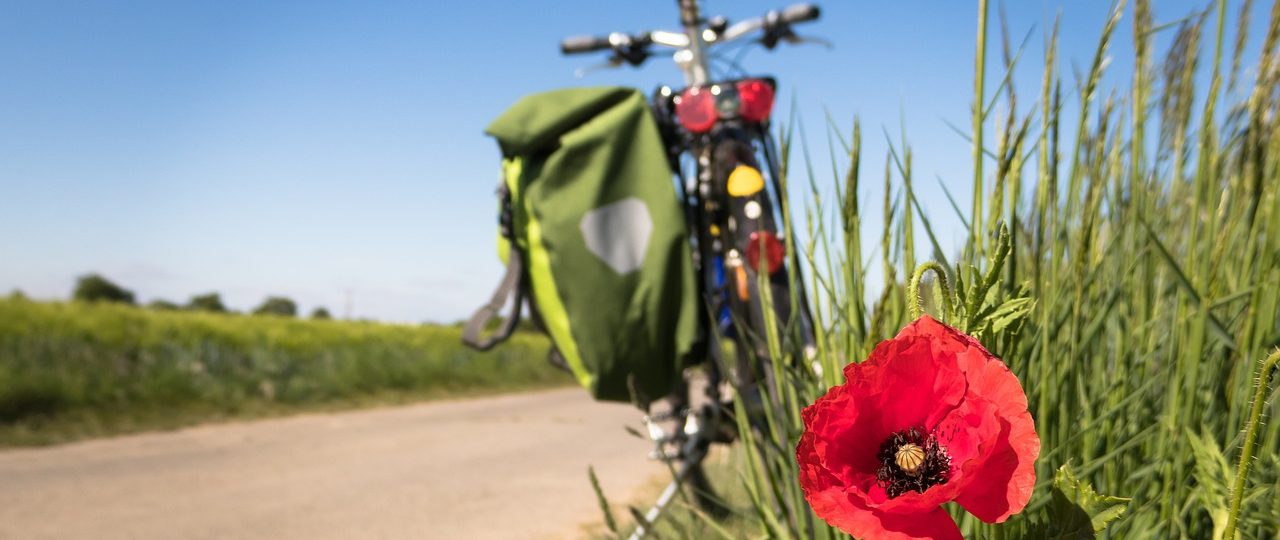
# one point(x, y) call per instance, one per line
point(911, 460)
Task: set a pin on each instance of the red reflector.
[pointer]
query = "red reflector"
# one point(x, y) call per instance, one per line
point(696, 110)
point(757, 100)
point(773, 251)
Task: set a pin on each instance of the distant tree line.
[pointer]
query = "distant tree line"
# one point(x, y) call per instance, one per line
point(96, 288)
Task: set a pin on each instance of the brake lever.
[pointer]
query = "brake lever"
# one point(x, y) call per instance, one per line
point(794, 39)
point(630, 54)
point(613, 62)
point(776, 32)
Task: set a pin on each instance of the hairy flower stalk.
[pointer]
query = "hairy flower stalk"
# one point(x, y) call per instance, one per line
point(1250, 435)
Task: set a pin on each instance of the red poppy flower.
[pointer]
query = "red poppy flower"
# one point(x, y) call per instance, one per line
point(930, 417)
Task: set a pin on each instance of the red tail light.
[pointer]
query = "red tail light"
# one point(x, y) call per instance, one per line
point(699, 108)
point(696, 110)
point(773, 251)
point(757, 100)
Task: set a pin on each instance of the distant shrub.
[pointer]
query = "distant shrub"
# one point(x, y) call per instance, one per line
point(163, 305)
point(95, 288)
point(211, 302)
point(277, 305)
point(321, 313)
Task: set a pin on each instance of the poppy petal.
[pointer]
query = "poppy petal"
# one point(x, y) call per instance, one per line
point(1008, 471)
point(910, 388)
point(1008, 474)
point(874, 525)
point(837, 439)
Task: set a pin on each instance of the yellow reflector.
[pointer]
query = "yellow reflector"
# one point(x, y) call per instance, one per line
point(745, 181)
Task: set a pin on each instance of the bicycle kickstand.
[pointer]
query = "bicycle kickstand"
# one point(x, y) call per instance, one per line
point(643, 527)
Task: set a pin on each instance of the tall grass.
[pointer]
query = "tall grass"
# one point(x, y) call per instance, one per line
point(1138, 295)
point(71, 369)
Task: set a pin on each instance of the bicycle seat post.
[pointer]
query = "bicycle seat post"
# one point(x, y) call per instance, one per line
point(693, 60)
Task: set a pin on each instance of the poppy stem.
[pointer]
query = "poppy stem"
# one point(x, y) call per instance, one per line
point(1250, 435)
point(913, 290)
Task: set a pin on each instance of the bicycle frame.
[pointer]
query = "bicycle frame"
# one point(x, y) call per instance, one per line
point(692, 58)
point(710, 221)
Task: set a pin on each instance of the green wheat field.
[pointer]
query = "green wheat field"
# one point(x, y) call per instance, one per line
point(71, 370)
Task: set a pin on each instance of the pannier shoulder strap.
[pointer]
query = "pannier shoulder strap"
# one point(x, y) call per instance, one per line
point(512, 285)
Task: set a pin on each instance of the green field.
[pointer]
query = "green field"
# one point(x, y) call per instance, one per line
point(70, 370)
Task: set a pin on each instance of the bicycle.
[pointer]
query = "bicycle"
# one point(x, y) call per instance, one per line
point(714, 131)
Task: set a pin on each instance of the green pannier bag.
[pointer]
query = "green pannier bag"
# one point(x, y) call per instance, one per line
point(594, 239)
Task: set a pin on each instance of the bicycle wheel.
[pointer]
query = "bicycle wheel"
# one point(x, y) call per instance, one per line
point(736, 211)
point(756, 247)
point(726, 193)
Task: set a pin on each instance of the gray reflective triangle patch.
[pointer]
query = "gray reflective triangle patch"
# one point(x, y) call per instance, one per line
point(618, 233)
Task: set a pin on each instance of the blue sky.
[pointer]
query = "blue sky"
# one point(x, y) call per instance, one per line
point(333, 151)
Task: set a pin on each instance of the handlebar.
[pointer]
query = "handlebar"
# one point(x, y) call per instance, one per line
point(584, 44)
point(771, 23)
point(798, 13)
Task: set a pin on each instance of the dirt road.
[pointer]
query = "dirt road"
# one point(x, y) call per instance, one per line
point(504, 467)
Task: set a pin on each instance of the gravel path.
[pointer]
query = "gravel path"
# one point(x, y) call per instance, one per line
point(504, 467)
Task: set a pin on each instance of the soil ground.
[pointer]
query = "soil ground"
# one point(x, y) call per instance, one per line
point(503, 467)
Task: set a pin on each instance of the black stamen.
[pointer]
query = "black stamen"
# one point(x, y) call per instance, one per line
point(933, 471)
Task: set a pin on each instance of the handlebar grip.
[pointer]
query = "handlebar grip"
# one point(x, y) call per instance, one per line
point(583, 44)
point(797, 13)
